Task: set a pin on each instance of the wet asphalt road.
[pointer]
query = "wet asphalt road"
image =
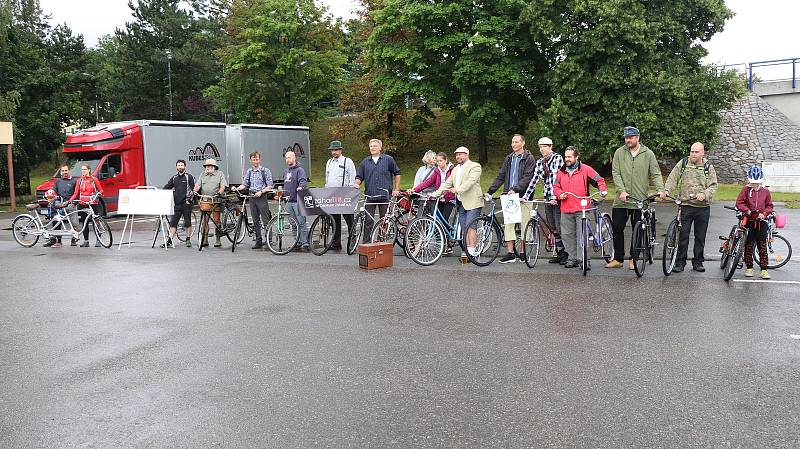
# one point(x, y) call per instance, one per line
point(137, 348)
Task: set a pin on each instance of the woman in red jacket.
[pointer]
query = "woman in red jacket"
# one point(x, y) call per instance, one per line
point(442, 171)
point(574, 177)
point(85, 189)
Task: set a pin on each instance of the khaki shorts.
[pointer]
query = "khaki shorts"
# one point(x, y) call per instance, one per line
point(510, 229)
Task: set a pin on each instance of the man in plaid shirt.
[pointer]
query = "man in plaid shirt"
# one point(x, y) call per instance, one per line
point(546, 169)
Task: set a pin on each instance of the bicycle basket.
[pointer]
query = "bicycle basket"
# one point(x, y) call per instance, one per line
point(780, 221)
point(206, 205)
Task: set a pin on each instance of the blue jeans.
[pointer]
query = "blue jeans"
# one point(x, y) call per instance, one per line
point(294, 210)
point(466, 216)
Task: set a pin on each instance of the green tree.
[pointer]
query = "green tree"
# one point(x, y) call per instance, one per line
point(284, 57)
point(632, 62)
point(477, 58)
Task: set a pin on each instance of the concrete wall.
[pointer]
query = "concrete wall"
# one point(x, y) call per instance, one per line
point(781, 95)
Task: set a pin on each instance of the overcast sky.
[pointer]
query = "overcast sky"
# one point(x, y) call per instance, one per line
point(761, 30)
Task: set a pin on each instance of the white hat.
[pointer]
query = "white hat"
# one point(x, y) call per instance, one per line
point(545, 141)
point(462, 150)
point(210, 161)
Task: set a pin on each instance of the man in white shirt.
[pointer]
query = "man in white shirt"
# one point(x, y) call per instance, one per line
point(340, 171)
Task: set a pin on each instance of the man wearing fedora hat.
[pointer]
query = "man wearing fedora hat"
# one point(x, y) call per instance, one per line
point(212, 182)
point(340, 171)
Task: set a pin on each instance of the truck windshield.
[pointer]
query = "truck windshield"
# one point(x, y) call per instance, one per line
point(75, 160)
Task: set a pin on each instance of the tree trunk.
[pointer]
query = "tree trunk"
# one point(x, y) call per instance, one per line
point(483, 153)
point(389, 124)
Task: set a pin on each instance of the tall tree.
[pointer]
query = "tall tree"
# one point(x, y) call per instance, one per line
point(477, 58)
point(284, 57)
point(632, 62)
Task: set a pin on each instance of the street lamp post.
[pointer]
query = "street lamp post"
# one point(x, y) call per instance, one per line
point(169, 80)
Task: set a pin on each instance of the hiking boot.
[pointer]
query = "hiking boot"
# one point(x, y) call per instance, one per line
point(614, 264)
point(698, 267)
point(748, 273)
point(508, 258)
point(765, 274)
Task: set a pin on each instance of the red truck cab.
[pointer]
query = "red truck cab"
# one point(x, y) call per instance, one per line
point(115, 156)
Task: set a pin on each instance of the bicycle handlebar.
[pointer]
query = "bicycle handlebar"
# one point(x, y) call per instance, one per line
point(585, 197)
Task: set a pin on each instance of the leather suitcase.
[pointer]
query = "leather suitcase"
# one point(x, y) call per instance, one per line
point(375, 255)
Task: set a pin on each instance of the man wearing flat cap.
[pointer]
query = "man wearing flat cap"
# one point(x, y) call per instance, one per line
point(465, 184)
point(340, 171)
point(634, 169)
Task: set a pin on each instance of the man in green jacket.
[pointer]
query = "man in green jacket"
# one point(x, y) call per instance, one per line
point(634, 169)
point(694, 181)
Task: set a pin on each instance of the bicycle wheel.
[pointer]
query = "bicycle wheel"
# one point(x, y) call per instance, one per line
point(202, 230)
point(737, 247)
point(531, 242)
point(229, 220)
point(670, 251)
point(639, 248)
point(606, 238)
point(489, 240)
point(26, 231)
point(180, 232)
point(320, 236)
point(725, 249)
point(354, 234)
point(424, 241)
point(103, 232)
point(384, 231)
point(238, 233)
point(283, 233)
point(402, 220)
point(779, 251)
point(585, 242)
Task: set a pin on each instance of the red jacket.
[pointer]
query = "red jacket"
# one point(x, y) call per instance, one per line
point(577, 183)
point(86, 187)
point(435, 180)
point(750, 199)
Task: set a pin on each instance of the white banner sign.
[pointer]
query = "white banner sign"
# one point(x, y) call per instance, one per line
point(511, 210)
point(146, 202)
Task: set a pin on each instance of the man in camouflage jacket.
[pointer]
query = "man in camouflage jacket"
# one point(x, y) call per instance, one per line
point(693, 180)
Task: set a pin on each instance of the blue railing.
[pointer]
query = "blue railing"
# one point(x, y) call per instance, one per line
point(749, 69)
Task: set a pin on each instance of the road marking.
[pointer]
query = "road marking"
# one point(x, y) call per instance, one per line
point(766, 281)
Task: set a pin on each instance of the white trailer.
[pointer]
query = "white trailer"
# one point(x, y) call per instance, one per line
point(272, 141)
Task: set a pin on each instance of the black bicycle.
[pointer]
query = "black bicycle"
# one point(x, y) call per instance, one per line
point(672, 240)
point(644, 234)
point(320, 235)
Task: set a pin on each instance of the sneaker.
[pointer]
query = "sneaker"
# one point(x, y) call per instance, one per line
point(448, 250)
point(472, 251)
point(748, 273)
point(508, 258)
point(258, 245)
point(50, 243)
point(614, 264)
point(217, 244)
point(169, 244)
point(572, 263)
point(74, 242)
point(188, 243)
point(56, 245)
point(305, 247)
point(85, 244)
point(630, 265)
point(97, 244)
point(699, 268)
point(765, 274)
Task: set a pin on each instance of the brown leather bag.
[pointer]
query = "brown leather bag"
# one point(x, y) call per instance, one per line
point(375, 255)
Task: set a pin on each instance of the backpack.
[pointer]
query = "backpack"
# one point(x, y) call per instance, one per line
point(685, 160)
